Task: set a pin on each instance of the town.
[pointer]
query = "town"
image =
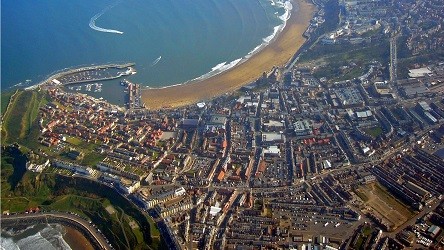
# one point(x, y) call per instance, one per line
point(294, 160)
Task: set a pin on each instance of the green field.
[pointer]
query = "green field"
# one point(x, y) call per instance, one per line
point(375, 131)
point(118, 224)
point(20, 120)
point(329, 59)
point(5, 98)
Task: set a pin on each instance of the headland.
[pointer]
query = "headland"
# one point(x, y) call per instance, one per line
point(276, 53)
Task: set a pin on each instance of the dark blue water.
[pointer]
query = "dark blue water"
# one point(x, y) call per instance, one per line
point(190, 36)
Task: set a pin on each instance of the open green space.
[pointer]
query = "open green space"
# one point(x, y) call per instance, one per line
point(5, 98)
point(20, 119)
point(375, 131)
point(92, 158)
point(331, 59)
point(377, 199)
point(127, 228)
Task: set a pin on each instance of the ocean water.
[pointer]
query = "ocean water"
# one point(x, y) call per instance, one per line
point(171, 41)
point(37, 237)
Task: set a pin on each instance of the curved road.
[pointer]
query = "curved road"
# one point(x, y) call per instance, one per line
point(100, 240)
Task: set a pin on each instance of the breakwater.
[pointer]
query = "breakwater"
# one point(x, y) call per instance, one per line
point(70, 74)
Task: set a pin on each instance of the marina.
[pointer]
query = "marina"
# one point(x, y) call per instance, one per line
point(88, 74)
point(89, 87)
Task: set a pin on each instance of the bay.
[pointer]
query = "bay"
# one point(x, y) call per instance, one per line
point(171, 41)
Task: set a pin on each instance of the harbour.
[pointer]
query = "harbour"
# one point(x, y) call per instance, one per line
point(89, 87)
point(87, 74)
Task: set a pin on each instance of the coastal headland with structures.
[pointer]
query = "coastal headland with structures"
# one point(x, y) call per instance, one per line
point(277, 53)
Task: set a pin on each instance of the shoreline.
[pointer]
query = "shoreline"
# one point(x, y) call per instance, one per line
point(75, 239)
point(277, 52)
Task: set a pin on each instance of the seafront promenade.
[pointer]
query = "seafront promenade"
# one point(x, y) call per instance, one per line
point(96, 239)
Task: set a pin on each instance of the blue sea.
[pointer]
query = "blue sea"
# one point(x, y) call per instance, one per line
point(171, 41)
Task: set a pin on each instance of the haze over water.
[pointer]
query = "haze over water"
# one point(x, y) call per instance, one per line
point(171, 41)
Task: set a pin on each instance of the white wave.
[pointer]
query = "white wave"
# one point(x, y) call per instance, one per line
point(36, 241)
point(220, 65)
point(288, 7)
point(156, 61)
point(92, 21)
point(256, 49)
point(48, 238)
point(277, 29)
point(8, 244)
point(59, 242)
point(14, 232)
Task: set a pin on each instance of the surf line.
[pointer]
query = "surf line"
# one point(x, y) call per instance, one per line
point(156, 61)
point(92, 21)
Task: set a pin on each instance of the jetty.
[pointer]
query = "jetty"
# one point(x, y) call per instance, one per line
point(133, 96)
point(92, 73)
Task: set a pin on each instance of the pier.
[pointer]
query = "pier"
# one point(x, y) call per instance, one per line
point(134, 95)
point(88, 74)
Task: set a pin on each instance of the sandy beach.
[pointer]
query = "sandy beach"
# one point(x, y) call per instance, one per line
point(278, 53)
point(76, 240)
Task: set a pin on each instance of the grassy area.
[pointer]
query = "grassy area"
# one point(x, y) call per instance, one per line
point(86, 206)
point(375, 131)
point(328, 59)
point(92, 158)
point(366, 231)
point(384, 204)
point(361, 195)
point(20, 120)
point(129, 227)
point(5, 98)
point(351, 74)
point(359, 242)
point(385, 195)
point(409, 61)
point(73, 140)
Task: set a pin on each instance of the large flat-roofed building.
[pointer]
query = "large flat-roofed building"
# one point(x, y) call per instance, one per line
point(412, 91)
point(349, 97)
point(190, 123)
point(272, 137)
point(216, 122)
point(303, 127)
point(423, 106)
point(414, 73)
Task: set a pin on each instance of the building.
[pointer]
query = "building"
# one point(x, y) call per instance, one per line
point(303, 127)
point(73, 167)
point(349, 97)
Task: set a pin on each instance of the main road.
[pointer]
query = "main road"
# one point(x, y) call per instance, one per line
point(70, 218)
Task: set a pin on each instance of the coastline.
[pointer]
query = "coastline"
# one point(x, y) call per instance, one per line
point(278, 52)
point(75, 239)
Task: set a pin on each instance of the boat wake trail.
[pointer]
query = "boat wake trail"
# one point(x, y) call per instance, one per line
point(92, 21)
point(156, 61)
